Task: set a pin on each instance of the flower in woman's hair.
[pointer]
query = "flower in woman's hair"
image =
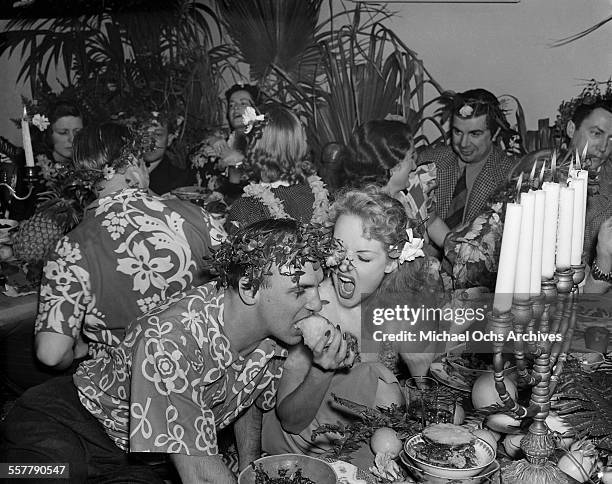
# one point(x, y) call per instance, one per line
point(40, 121)
point(412, 249)
point(337, 254)
point(108, 172)
point(250, 117)
point(466, 110)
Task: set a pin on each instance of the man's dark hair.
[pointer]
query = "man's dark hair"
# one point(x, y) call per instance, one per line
point(254, 250)
point(481, 102)
point(584, 110)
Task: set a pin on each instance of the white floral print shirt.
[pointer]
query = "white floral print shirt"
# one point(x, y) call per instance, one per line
point(130, 252)
point(175, 379)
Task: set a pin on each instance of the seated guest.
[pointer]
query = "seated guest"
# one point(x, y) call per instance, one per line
point(382, 151)
point(219, 156)
point(284, 183)
point(378, 255)
point(131, 247)
point(188, 368)
point(473, 167)
point(166, 170)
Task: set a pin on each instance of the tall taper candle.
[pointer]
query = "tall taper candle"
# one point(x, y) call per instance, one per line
point(578, 184)
point(27, 140)
point(538, 237)
point(522, 280)
point(508, 255)
point(564, 232)
point(549, 239)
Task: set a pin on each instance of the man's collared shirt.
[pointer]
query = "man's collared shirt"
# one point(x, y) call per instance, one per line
point(175, 379)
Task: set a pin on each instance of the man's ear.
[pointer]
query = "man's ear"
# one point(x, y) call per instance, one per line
point(570, 129)
point(247, 294)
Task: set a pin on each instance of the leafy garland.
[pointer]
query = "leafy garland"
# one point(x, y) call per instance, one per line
point(591, 94)
point(255, 255)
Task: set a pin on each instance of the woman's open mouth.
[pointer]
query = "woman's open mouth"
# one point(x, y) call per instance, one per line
point(345, 286)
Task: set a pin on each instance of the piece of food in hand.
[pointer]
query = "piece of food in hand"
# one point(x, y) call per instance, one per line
point(313, 328)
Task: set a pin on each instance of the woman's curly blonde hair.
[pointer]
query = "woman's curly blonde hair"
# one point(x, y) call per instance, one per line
point(279, 151)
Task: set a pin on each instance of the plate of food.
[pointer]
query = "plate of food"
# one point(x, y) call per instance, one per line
point(460, 371)
point(426, 478)
point(449, 451)
point(288, 469)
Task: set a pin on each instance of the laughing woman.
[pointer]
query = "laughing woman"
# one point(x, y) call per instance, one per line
point(379, 253)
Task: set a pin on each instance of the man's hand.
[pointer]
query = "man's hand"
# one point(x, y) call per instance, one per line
point(604, 245)
point(331, 352)
point(202, 469)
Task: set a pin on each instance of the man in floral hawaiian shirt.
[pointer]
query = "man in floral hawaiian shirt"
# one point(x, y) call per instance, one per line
point(189, 367)
point(130, 252)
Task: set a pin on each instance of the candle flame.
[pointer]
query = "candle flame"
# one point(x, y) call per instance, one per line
point(553, 166)
point(25, 113)
point(584, 151)
point(519, 184)
point(577, 160)
point(532, 174)
point(542, 174)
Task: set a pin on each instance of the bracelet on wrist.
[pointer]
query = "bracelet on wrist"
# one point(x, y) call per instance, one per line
point(599, 275)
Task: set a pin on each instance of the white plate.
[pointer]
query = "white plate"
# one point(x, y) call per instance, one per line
point(438, 371)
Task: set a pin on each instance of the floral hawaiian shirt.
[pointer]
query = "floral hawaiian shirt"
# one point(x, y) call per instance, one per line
point(131, 251)
point(175, 379)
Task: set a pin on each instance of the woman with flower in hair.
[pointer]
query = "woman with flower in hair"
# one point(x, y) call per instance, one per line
point(131, 251)
point(383, 152)
point(379, 254)
point(283, 180)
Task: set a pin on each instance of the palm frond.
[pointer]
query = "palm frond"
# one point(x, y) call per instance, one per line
point(580, 35)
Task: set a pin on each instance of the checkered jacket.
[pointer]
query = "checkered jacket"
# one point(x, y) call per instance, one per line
point(491, 177)
point(599, 208)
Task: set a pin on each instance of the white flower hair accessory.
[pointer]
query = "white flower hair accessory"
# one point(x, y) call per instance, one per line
point(250, 117)
point(40, 121)
point(412, 249)
point(466, 111)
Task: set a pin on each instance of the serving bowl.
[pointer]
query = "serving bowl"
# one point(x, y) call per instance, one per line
point(471, 374)
point(485, 455)
point(314, 469)
point(426, 478)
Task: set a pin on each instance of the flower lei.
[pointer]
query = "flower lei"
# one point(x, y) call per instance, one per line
point(264, 194)
point(321, 199)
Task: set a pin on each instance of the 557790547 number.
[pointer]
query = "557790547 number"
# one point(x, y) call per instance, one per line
point(29, 470)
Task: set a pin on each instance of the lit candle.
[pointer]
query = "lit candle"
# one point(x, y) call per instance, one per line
point(522, 281)
point(564, 232)
point(27, 140)
point(578, 184)
point(538, 237)
point(508, 255)
point(549, 239)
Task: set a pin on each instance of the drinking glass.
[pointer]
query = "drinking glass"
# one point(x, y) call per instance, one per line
point(421, 394)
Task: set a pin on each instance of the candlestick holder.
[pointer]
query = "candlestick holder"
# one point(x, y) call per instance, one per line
point(31, 177)
point(552, 313)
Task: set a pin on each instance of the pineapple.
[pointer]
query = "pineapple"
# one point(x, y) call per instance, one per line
point(60, 209)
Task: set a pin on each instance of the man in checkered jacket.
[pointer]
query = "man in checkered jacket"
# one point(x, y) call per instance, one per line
point(473, 167)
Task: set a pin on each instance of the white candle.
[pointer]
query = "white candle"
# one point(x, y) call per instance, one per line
point(549, 239)
point(538, 238)
point(564, 232)
point(578, 184)
point(508, 254)
point(522, 280)
point(27, 140)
